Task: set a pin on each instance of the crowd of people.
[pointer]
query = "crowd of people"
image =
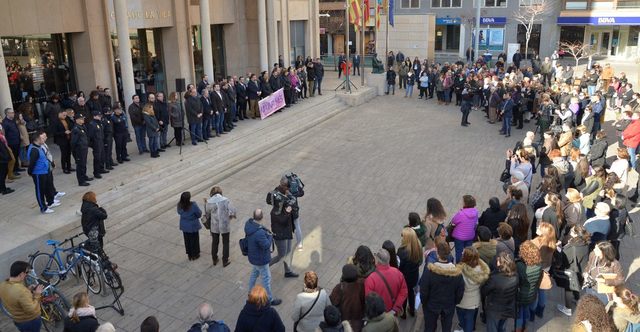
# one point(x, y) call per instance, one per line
point(560, 230)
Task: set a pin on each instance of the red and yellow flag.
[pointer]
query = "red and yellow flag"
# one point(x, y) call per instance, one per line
point(355, 14)
point(378, 10)
point(366, 12)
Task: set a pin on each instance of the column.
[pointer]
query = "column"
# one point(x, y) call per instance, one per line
point(262, 35)
point(124, 51)
point(272, 25)
point(5, 92)
point(286, 37)
point(463, 48)
point(205, 33)
point(329, 43)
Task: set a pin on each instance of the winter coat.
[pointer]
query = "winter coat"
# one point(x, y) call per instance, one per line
point(281, 220)
point(383, 323)
point(598, 153)
point(564, 143)
point(212, 326)
point(465, 222)
point(588, 201)
point(190, 219)
point(474, 278)
point(259, 241)
point(595, 268)
point(219, 211)
point(441, 287)
point(343, 327)
point(499, 295)
point(152, 125)
point(93, 216)
point(11, 131)
point(529, 278)
point(491, 217)
point(487, 251)
point(255, 319)
point(410, 270)
point(507, 246)
point(177, 115)
point(631, 134)
point(391, 77)
point(421, 233)
point(574, 256)
point(85, 324)
point(396, 282)
point(135, 114)
point(349, 298)
point(303, 303)
point(193, 107)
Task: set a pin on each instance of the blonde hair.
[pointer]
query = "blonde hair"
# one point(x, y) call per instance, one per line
point(548, 235)
point(411, 244)
point(148, 108)
point(258, 296)
point(80, 300)
point(573, 195)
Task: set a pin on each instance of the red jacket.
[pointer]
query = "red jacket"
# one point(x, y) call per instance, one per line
point(395, 279)
point(631, 135)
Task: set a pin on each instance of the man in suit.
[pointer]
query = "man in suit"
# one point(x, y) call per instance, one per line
point(219, 109)
point(194, 116)
point(203, 83)
point(253, 94)
point(207, 114)
point(356, 64)
point(241, 97)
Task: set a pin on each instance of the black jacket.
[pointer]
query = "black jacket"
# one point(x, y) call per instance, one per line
point(319, 70)
point(93, 216)
point(500, 295)
point(119, 125)
point(161, 110)
point(491, 217)
point(218, 102)
point(59, 135)
point(96, 134)
point(207, 107)
point(410, 270)
point(254, 319)
point(135, 114)
point(4, 153)
point(266, 87)
point(252, 90)
point(241, 93)
point(194, 107)
point(79, 139)
point(274, 82)
point(281, 220)
point(86, 324)
point(574, 256)
point(441, 287)
point(598, 153)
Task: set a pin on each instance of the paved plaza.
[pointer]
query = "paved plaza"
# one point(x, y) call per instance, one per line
point(365, 169)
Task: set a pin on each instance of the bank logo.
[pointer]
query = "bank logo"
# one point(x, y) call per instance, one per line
point(606, 20)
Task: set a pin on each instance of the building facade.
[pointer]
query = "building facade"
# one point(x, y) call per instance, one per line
point(140, 46)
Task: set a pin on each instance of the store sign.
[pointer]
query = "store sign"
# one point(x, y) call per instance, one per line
point(144, 14)
point(448, 21)
point(599, 20)
point(493, 20)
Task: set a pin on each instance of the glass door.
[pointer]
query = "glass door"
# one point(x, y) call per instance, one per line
point(604, 45)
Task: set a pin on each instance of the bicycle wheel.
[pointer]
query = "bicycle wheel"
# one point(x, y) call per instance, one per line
point(53, 316)
point(46, 268)
point(76, 269)
point(61, 301)
point(112, 279)
point(90, 275)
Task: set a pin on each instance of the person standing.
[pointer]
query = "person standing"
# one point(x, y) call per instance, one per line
point(282, 219)
point(12, 135)
point(39, 167)
point(190, 214)
point(62, 137)
point(207, 114)
point(259, 241)
point(219, 211)
point(153, 130)
point(107, 128)
point(388, 282)
point(5, 158)
point(319, 74)
point(464, 225)
point(93, 217)
point(411, 81)
point(253, 93)
point(120, 133)
point(529, 269)
point(341, 60)
point(507, 115)
point(308, 308)
point(137, 120)
point(20, 302)
point(258, 311)
point(348, 296)
point(80, 149)
point(475, 273)
point(161, 109)
point(410, 256)
point(242, 98)
point(176, 114)
point(219, 110)
point(391, 81)
point(499, 293)
point(194, 116)
point(95, 132)
point(465, 105)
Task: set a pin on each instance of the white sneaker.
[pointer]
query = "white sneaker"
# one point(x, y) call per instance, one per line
point(60, 194)
point(564, 310)
point(48, 211)
point(55, 203)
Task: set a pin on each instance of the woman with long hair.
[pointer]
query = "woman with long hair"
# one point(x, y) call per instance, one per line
point(190, 214)
point(591, 315)
point(499, 293)
point(434, 221)
point(258, 310)
point(518, 219)
point(153, 130)
point(602, 260)
point(546, 243)
point(529, 266)
point(475, 273)
point(418, 227)
point(624, 308)
point(82, 316)
point(574, 212)
point(176, 117)
point(410, 255)
point(391, 248)
point(365, 262)
point(552, 213)
point(594, 184)
point(573, 257)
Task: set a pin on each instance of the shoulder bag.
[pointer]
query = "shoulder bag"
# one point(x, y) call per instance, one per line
point(393, 297)
point(295, 325)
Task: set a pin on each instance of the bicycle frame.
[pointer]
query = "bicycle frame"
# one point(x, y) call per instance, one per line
point(55, 255)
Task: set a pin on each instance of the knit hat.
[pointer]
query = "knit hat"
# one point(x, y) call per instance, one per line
point(349, 273)
point(332, 316)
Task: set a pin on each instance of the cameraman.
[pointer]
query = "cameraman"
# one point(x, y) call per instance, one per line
point(546, 111)
point(283, 213)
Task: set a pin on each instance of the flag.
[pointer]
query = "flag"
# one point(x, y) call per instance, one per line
point(390, 11)
point(365, 12)
point(378, 9)
point(355, 17)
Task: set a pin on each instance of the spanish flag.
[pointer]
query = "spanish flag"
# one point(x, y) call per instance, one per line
point(365, 12)
point(355, 14)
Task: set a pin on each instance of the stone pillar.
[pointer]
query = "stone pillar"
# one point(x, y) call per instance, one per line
point(124, 51)
point(286, 38)
point(205, 33)
point(5, 92)
point(272, 25)
point(262, 35)
point(175, 48)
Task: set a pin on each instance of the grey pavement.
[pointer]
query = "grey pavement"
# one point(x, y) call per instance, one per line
point(365, 169)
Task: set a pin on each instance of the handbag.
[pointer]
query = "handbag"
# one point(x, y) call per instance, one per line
point(545, 283)
point(295, 324)
point(206, 221)
point(505, 176)
point(393, 298)
point(450, 228)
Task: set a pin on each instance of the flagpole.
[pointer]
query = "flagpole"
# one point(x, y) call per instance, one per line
point(346, 65)
point(362, 53)
point(386, 43)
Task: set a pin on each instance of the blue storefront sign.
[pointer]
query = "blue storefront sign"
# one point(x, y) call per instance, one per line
point(599, 20)
point(448, 21)
point(493, 20)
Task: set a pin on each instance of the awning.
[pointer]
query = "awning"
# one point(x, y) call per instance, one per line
point(598, 20)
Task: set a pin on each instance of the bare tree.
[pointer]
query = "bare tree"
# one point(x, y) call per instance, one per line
point(530, 12)
point(578, 50)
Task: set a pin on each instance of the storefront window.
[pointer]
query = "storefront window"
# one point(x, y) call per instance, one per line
point(628, 3)
point(446, 3)
point(217, 45)
point(495, 3)
point(297, 40)
point(571, 34)
point(38, 66)
point(634, 32)
point(575, 4)
point(534, 40)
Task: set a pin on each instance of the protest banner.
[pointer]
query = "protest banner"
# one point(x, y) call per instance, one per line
point(271, 104)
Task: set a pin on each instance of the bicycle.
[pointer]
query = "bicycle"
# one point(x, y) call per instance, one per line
point(52, 268)
point(54, 307)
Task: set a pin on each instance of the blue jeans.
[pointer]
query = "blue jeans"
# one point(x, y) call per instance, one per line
point(153, 143)
point(206, 128)
point(460, 245)
point(234, 112)
point(195, 129)
point(524, 314)
point(30, 326)
point(390, 88)
point(409, 91)
point(265, 272)
point(494, 324)
point(219, 123)
point(541, 302)
point(591, 89)
point(447, 95)
point(163, 135)
point(506, 124)
point(318, 84)
point(467, 318)
point(140, 132)
point(632, 156)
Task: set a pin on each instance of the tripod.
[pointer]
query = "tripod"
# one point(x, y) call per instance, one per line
point(184, 131)
point(344, 83)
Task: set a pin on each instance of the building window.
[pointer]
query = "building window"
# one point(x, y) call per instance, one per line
point(634, 32)
point(410, 4)
point(446, 3)
point(531, 2)
point(575, 5)
point(495, 3)
point(297, 40)
point(628, 4)
point(572, 34)
point(534, 41)
point(38, 66)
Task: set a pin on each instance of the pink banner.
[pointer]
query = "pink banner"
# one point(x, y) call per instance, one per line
point(271, 104)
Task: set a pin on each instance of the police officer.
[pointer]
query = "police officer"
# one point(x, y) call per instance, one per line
point(80, 148)
point(107, 126)
point(96, 142)
point(120, 133)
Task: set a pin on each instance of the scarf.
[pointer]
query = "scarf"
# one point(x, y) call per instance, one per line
point(83, 312)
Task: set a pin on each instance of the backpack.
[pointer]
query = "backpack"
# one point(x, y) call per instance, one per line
point(213, 326)
point(296, 187)
point(244, 243)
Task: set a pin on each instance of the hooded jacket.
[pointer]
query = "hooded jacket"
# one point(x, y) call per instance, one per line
point(474, 278)
point(259, 241)
point(492, 216)
point(439, 282)
point(500, 295)
point(254, 319)
point(465, 222)
point(383, 323)
point(93, 216)
point(487, 250)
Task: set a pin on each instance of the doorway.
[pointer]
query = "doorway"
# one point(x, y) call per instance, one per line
point(604, 45)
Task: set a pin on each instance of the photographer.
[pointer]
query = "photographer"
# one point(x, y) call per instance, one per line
point(546, 111)
point(283, 213)
point(520, 161)
point(467, 102)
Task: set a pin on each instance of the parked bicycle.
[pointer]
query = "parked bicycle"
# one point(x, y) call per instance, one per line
point(52, 268)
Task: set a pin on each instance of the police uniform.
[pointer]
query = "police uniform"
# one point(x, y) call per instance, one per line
point(96, 142)
point(107, 126)
point(120, 135)
point(80, 148)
